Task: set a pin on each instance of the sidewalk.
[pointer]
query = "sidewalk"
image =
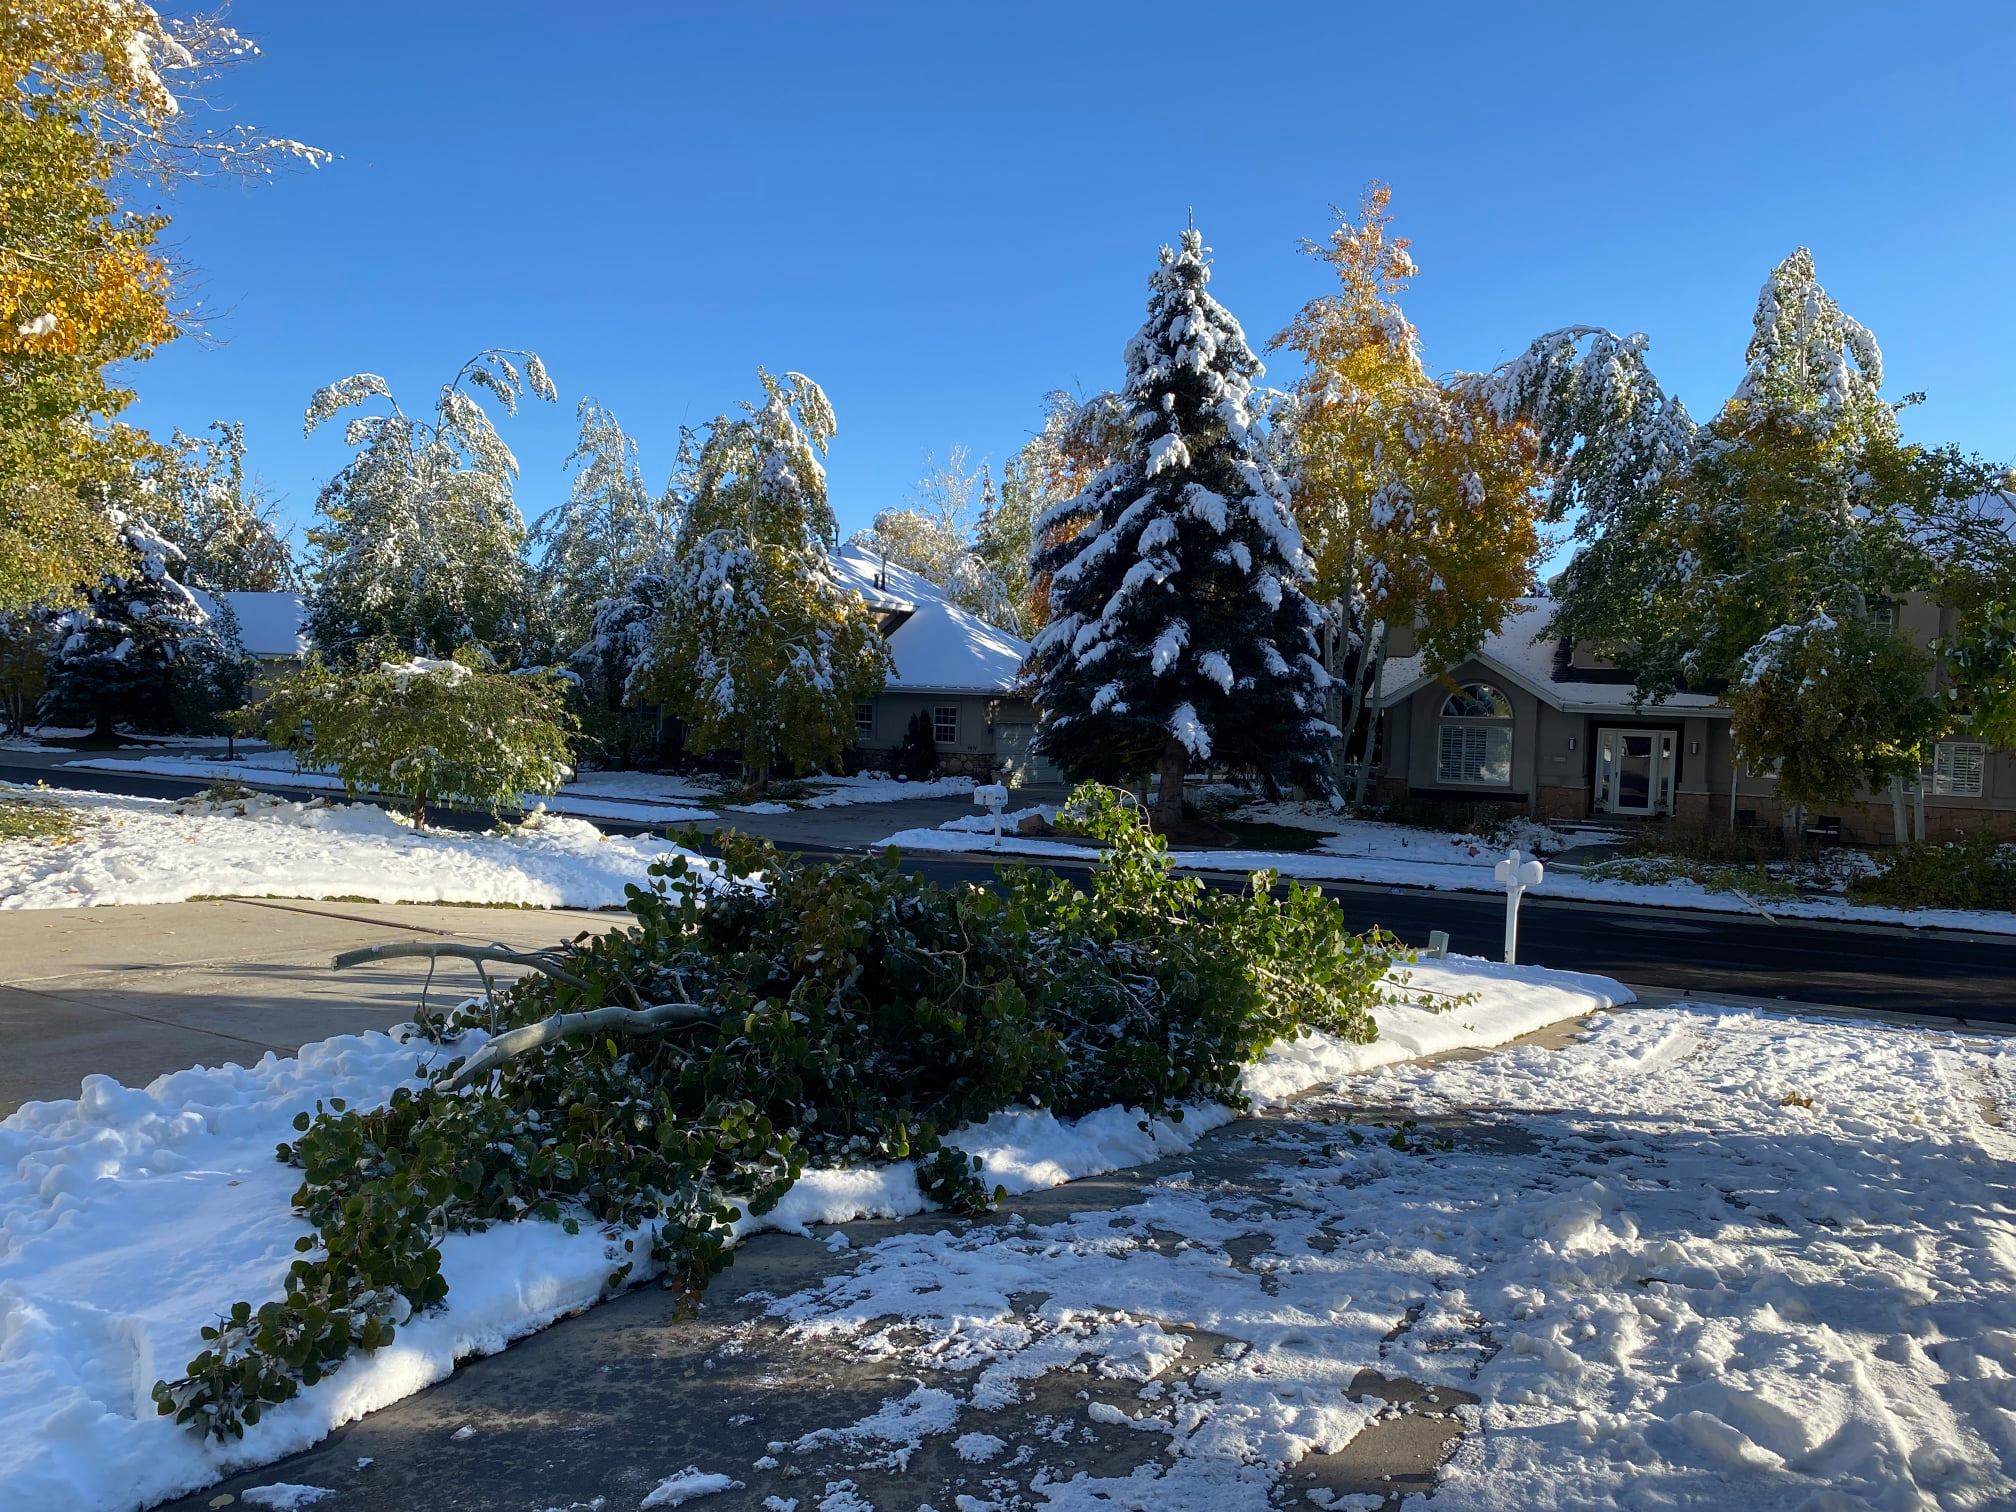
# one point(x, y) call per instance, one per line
point(133, 992)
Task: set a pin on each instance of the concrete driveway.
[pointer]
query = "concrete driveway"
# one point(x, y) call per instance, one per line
point(133, 992)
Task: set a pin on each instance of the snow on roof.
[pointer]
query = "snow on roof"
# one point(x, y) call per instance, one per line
point(269, 624)
point(938, 647)
point(1520, 652)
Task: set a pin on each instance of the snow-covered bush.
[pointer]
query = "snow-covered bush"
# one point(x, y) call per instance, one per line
point(431, 730)
point(663, 1077)
point(1975, 873)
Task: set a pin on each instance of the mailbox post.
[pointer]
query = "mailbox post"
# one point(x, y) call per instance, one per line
point(993, 797)
point(1515, 874)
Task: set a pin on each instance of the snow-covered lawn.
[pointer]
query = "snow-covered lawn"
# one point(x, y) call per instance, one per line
point(151, 850)
point(645, 797)
point(131, 1216)
point(1401, 856)
point(1701, 1258)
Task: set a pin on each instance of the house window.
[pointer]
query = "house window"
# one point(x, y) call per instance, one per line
point(1474, 742)
point(945, 724)
point(864, 721)
point(1958, 769)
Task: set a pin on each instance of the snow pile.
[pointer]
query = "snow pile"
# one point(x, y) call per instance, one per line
point(879, 787)
point(129, 1218)
point(689, 1484)
point(983, 824)
point(1700, 1259)
point(149, 850)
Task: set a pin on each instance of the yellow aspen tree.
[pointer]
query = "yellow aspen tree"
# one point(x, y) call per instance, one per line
point(1420, 504)
point(89, 110)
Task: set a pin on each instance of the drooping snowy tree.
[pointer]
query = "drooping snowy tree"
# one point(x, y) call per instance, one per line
point(1180, 631)
point(759, 648)
point(421, 542)
point(1764, 551)
point(201, 500)
point(610, 527)
point(128, 655)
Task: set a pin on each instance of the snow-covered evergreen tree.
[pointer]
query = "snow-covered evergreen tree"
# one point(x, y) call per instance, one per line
point(613, 666)
point(1180, 633)
point(421, 541)
point(124, 655)
point(610, 528)
point(759, 648)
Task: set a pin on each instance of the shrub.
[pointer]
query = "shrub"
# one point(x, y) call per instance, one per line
point(1752, 881)
point(844, 1013)
point(917, 755)
point(1975, 873)
point(431, 731)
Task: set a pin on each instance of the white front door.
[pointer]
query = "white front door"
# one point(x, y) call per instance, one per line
point(1634, 771)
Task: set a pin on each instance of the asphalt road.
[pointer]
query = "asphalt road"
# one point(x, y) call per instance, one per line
point(1937, 972)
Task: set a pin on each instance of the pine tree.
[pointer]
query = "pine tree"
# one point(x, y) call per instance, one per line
point(422, 543)
point(125, 654)
point(1180, 632)
point(610, 528)
point(759, 648)
point(613, 665)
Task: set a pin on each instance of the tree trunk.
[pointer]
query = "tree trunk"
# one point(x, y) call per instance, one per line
point(1174, 766)
point(1375, 641)
point(419, 811)
point(1900, 828)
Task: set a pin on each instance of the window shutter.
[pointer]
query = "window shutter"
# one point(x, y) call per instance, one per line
point(1959, 769)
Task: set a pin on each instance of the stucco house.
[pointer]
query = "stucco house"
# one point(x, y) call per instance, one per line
point(951, 664)
point(1549, 727)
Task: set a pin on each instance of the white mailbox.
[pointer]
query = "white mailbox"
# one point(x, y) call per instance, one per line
point(1515, 874)
point(993, 797)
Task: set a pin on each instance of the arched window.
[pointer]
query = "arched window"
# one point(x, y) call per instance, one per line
point(1476, 701)
point(1474, 741)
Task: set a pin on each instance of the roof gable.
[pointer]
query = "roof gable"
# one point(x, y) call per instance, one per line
point(937, 646)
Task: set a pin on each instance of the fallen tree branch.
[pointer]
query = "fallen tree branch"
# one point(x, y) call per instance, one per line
point(529, 1037)
point(536, 960)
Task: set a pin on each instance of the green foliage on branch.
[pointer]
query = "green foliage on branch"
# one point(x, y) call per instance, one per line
point(1981, 658)
point(850, 1014)
point(432, 731)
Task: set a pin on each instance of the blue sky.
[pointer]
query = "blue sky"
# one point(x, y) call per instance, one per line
point(940, 212)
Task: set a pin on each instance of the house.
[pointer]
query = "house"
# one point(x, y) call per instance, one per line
point(272, 627)
point(949, 663)
point(1550, 727)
